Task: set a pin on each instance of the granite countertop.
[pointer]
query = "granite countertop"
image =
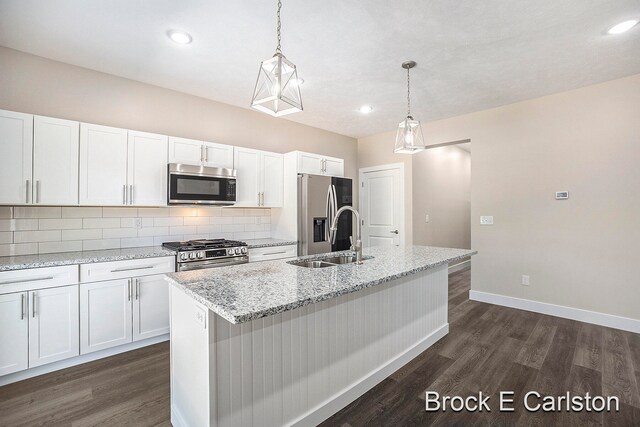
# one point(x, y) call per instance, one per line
point(245, 292)
point(267, 243)
point(21, 262)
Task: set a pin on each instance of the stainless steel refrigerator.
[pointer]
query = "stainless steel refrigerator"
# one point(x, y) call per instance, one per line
point(319, 198)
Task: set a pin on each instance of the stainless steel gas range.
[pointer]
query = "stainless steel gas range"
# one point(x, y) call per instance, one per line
point(198, 254)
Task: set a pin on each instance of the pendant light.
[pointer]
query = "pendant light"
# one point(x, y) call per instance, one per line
point(409, 137)
point(277, 90)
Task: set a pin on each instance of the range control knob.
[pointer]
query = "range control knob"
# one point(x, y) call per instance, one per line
point(200, 254)
point(237, 251)
point(192, 255)
point(244, 250)
point(230, 251)
point(184, 256)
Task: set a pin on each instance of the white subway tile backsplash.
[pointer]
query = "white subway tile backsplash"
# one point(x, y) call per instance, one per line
point(101, 223)
point(52, 247)
point(83, 234)
point(36, 236)
point(60, 224)
point(113, 212)
point(119, 233)
point(92, 245)
point(81, 212)
point(43, 229)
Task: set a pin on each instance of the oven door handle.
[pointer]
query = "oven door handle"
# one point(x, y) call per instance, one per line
point(212, 264)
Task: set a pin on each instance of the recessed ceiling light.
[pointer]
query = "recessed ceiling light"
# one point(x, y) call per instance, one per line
point(623, 27)
point(179, 37)
point(366, 109)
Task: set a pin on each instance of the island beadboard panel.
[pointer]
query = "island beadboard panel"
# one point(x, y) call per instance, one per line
point(285, 369)
point(49, 229)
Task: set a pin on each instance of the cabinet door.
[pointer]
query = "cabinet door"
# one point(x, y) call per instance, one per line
point(273, 179)
point(188, 151)
point(103, 165)
point(105, 314)
point(14, 333)
point(55, 161)
point(147, 183)
point(247, 164)
point(150, 307)
point(53, 325)
point(333, 166)
point(309, 163)
point(16, 143)
point(218, 155)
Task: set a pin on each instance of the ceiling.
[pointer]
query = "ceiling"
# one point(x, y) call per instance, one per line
point(471, 54)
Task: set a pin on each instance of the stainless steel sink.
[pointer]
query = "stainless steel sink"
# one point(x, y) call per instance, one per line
point(325, 262)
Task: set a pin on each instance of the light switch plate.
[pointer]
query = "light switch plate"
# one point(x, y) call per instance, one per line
point(525, 280)
point(486, 220)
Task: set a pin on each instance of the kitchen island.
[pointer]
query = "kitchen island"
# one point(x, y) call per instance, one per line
point(272, 343)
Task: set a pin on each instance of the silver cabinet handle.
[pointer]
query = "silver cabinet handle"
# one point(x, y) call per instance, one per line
point(22, 300)
point(202, 153)
point(129, 289)
point(28, 185)
point(37, 191)
point(394, 232)
point(262, 199)
point(130, 194)
point(206, 154)
point(137, 288)
point(37, 279)
point(258, 198)
point(124, 194)
point(275, 253)
point(119, 270)
point(33, 303)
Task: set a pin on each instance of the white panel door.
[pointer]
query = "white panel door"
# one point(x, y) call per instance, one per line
point(147, 177)
point(382, 207)
point(218, 155)
point(53, 325)
point(247, 165)
point(272, 175)
point(103, 165)
point(333, 166)
point(55, 161)
point(14, 333)
point(187, 151)
point(310, 163)
point(150, 307)
point(16, 143)
point(105, 314)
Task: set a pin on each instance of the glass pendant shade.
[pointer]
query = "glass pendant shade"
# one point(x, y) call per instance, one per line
point(277, 90)
point(409, 139)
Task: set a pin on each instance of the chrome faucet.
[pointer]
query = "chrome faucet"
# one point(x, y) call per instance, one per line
point(357, 246)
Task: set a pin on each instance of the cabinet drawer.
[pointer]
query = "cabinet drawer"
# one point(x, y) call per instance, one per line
point(37, 278)
point(274, 252)
point(113, 270)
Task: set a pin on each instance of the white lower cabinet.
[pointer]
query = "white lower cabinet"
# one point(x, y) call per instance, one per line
point(105, 315)
point(150, 307)
point(14, 333)
point(53, 325)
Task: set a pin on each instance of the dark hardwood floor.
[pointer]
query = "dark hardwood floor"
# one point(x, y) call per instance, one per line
point(489, 348)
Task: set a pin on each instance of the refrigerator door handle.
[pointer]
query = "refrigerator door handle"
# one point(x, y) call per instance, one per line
point(328, 212)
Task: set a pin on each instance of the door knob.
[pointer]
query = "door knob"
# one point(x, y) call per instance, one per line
point(394, 231)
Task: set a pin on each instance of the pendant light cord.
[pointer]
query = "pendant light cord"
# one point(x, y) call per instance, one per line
point(408, 94)
point(278, 27)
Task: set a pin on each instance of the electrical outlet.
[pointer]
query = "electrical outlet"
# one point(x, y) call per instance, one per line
point(486, 220)
point(201, 317)
point(525, 280)
point(138, 223)
point(426, 218)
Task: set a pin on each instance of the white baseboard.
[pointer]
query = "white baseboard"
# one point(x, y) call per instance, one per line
point(594, 317)
point(348, 395)
point(78, 360)
point(460, 266)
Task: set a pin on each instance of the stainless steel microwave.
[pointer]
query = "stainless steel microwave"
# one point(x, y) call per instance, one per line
point(200, 185)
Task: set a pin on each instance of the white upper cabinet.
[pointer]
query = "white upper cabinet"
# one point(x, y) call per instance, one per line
point(147, 169)
point(55, 161)
point(317, 164)
point(103, 165)
point(16, 144)
point(193, 152)
point(260, 178)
